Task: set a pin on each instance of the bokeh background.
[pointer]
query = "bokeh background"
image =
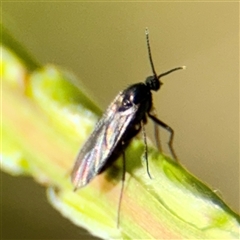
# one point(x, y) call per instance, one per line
point(103, 43)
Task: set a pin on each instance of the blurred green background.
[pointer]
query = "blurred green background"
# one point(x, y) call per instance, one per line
point(104, 45)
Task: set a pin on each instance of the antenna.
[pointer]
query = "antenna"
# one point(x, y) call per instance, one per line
point(170, 71)
point(150, 54)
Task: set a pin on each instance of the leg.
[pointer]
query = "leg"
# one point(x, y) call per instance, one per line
point(170, 130)
point(157, 138)
point(156, 132)
point(122, 188)
point(146, 148)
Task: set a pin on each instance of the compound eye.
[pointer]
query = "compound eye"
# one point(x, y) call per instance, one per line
point(153, 83)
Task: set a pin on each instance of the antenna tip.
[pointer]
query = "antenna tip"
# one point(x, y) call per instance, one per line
point(146, 31)
point(184, 67)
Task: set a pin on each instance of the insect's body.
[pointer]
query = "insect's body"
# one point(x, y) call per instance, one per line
point(119, 124)
point(123, 119)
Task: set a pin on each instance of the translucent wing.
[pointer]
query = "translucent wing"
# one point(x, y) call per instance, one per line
point(102, 142)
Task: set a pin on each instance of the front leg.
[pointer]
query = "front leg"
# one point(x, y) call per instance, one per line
point(170, 130)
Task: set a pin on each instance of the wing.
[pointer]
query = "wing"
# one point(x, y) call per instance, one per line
point(102, 142)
